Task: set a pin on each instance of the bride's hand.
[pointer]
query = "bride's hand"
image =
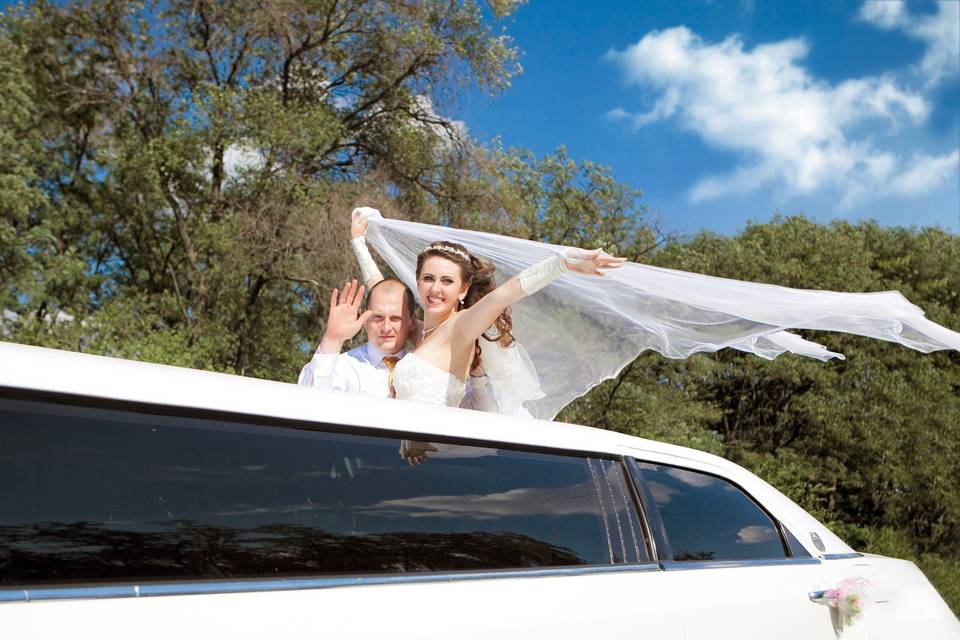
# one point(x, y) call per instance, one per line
point(415, 452)
point(591, 262)
point(358, 223)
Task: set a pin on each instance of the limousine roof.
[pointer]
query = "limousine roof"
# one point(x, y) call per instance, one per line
point(89, 376)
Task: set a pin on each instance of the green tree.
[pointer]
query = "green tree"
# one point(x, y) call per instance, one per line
point(26, 237)
point(869, 444)
point(198, 159)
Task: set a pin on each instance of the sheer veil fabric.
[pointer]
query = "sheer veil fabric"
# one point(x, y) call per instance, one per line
point(580, 330)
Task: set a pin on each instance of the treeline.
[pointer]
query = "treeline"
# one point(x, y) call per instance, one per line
point(869, 445)
point(175, 180)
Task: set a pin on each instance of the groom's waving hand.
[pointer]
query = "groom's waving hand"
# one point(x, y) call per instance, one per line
point(388, 319)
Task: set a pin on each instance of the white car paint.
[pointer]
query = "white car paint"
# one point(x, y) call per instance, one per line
point(710, 601)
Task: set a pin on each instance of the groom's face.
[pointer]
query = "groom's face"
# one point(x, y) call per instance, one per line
point(392, 318)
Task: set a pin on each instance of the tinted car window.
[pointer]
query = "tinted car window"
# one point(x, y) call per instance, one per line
point(104, 495)
point(797, 550)
point(708, 518)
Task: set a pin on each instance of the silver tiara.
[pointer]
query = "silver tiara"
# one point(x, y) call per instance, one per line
point(446, 249)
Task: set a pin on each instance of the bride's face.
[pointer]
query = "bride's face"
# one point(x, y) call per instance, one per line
point(440, 285)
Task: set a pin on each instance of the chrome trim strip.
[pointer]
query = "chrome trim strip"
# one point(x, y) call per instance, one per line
point(659, 541)
point(840, 556)
point(291, 584)
point(818, 596)
point(733, 564)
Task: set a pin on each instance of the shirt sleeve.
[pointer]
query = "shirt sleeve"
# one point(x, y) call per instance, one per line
point(323, 373)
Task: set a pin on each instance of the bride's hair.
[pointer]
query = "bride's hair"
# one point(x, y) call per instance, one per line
point(478, 272)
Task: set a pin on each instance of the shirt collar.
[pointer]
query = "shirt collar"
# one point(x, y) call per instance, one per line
point(375, 356)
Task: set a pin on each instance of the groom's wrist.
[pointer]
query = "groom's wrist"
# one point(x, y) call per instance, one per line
point(330, 345)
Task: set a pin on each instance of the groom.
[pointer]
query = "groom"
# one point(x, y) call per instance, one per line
point(389, 318)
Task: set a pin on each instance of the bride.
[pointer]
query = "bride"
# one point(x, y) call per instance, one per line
point(461, 303)
point(581, 331)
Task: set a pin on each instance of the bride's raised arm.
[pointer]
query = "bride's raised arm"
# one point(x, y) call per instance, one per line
point(358, 242)
point(476, 319)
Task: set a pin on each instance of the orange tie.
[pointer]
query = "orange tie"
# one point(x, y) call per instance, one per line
point(391, 362)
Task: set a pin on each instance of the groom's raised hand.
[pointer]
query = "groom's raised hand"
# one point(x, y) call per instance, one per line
point(343, 321)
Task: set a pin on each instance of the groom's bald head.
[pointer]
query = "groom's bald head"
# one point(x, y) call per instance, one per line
point(392, 286)
point(393, 317)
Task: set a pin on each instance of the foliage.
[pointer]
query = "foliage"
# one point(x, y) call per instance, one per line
point(188, 164)
point(869, 445)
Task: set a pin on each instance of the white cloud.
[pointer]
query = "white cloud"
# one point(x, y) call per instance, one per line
point(756, 534)
point(574, 499)
point(925, 172)
point(239, 158)
point(662, 494)
point(939, 31)
point(451, 132)
point(790, 129)
point(691, 478)
point(665, 107)
point(886, 13)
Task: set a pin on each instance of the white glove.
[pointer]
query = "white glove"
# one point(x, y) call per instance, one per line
point(358, 228)
point(534, 278)
point(368, 268)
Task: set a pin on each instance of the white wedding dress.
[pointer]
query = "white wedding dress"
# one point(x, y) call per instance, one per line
point(416, 379)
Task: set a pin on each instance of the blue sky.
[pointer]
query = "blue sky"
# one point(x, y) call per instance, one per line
point(729, 111)
point(725, 111)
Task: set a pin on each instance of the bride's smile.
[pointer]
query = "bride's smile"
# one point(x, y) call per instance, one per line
point(441, 287)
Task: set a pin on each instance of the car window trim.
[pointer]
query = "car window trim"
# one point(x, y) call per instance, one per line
point(253, 585)
point(786, 534)
point(257, 420)
point(841, 556)
point(686, 565)
point(656, 530)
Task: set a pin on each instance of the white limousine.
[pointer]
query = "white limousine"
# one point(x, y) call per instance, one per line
point(147, 501)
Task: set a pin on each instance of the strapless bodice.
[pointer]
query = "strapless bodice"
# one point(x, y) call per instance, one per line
point(416, 379)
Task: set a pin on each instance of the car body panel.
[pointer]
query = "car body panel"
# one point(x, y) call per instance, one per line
point(634, 604)
point(742, 600)
point(697, 600)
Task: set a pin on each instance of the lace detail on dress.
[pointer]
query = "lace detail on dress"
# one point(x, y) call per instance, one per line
point(416, 379)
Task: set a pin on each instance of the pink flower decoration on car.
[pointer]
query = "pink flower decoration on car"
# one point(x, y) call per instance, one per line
point(849, 597)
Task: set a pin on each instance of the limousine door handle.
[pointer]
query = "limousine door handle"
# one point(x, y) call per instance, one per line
point(819, 597)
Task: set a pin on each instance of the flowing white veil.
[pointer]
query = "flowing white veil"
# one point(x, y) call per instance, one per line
point(581, 330)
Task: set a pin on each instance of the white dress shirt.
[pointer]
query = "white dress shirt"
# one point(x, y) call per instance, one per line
point(359, 370)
